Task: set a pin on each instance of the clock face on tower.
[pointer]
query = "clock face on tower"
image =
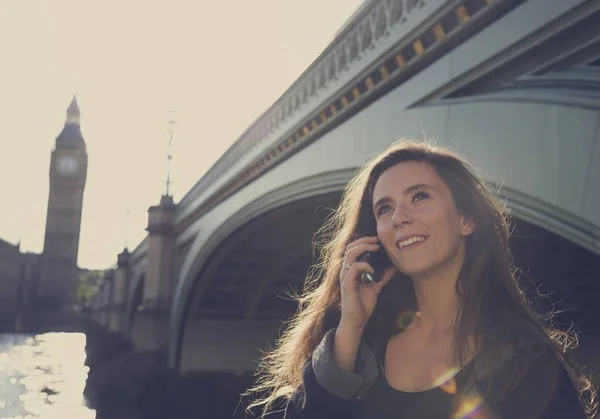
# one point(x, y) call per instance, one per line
point(67, 165)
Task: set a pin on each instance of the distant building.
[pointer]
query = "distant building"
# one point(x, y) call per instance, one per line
point(18, 279)
point(30, 279)
point(10, 277)
point(68, 173)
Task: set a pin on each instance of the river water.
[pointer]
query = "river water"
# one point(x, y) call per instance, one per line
point(43, 376)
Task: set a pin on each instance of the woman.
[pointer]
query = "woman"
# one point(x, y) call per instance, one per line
point(445, 333)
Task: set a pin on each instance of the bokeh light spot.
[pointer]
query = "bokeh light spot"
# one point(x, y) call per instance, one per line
point(469, 408)
point(446, 380)
point(40, 379)
point(406, 319)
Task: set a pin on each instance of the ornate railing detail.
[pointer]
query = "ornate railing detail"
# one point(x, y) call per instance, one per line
point(451, 22)
point(376, 22)
point(368, 28)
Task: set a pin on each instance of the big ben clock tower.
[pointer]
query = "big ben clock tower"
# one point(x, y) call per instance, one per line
point(68, 171)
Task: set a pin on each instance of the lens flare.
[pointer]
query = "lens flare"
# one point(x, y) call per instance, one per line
point(40, 379)
point(407, 318)
point(446, 380)
point(470, 407)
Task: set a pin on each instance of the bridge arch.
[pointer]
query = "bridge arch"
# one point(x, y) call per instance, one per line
point(193, 284)
point(320, 188)
point(543, 145)
point(135, 295)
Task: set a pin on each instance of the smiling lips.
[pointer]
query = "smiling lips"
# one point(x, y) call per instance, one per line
point(410, 241)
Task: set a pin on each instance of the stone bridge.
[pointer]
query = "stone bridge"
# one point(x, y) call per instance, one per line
point(513, 85)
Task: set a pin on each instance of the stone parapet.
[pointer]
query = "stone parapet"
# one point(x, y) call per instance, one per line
point(123, 259)
point(156, 306)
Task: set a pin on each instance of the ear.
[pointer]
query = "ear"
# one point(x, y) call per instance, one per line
point(467, 226)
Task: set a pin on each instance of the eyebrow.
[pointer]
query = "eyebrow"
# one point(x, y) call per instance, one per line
point(408, 190)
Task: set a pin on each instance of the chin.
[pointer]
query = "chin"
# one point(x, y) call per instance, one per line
point(415, 271)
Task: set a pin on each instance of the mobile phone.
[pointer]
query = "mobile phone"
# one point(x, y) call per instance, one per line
point(379, 261)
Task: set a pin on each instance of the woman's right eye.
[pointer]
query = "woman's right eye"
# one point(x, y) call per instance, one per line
point(381, 210)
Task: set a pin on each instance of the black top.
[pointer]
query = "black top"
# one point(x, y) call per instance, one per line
point(545, 392)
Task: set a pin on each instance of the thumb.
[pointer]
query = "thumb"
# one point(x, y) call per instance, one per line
point(387, 276)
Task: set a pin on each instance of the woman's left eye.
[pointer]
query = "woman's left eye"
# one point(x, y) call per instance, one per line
point(419, 196)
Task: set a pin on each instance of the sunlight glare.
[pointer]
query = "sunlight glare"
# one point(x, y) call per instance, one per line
point(48, 374)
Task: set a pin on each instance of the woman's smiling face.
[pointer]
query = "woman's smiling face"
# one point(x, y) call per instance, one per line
point(417, 221)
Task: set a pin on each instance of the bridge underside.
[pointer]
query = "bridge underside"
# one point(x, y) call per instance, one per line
point(242, 308)
point(249, 271)
point(533, 129)
point(249, 281)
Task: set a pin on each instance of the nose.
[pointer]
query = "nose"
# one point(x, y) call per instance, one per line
point(401, 217)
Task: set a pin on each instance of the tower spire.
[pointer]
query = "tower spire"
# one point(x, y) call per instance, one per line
point(73, 112)
point(70, 135)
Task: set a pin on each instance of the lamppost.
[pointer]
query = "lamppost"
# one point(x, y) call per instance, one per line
point(169, 154)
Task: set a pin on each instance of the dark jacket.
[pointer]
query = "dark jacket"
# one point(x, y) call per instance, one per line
point(546, 392)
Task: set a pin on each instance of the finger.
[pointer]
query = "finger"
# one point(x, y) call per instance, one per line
point(354, 253)
point(354, 273)
point(387, 277)
point(346, 266)
point(344, 271)
point(362, 240)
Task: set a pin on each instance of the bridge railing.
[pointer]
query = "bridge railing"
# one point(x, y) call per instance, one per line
point(383, 45)
point(374, 28)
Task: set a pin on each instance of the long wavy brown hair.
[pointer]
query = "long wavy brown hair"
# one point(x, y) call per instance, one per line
point(494, 306)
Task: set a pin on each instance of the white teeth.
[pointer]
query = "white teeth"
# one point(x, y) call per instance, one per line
point(410, 241)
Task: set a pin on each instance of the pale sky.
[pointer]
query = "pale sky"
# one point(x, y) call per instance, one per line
point(217, 64)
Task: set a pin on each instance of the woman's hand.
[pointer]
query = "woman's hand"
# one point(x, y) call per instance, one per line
point(359, 299)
